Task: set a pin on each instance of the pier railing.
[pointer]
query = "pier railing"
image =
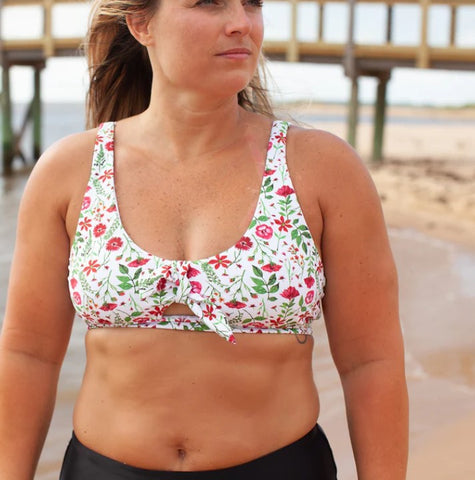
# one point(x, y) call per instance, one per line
point(385, 55)
point(45, 46)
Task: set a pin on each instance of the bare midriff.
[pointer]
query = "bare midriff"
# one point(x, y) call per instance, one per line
point(185, 401)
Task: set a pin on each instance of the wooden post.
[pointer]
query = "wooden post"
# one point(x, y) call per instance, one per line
point(293, 49)
point(423, 58)
point(48, 45)
point(353, 113)
point(453, 24)
point(7, 128)
point(380, 117)
point(321, 18)
point(36, 107)
point(389, 25)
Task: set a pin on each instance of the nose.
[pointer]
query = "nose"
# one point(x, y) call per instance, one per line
point(239, 21)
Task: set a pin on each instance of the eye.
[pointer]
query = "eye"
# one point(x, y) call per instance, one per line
point(207, 2)
point(255, 3)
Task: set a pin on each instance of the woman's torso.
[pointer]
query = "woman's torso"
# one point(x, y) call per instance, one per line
point(175, 400)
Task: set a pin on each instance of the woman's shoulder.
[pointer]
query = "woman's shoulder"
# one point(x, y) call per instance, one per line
point(63, 169)
point(320, 146)
point(328, 165)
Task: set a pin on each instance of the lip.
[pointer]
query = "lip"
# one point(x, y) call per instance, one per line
point(235, 52)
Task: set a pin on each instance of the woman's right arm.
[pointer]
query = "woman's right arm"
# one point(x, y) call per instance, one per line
point(39, 313)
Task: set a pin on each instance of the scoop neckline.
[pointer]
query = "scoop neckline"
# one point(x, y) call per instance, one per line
point(144, 253)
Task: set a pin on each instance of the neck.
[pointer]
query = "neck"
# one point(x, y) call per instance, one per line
point(192, 125)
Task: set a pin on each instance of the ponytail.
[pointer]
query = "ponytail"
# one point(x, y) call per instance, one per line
point(120, 71)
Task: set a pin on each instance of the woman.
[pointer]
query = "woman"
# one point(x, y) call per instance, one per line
point(215, 380)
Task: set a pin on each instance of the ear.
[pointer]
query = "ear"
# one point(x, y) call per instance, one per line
point(140, 28)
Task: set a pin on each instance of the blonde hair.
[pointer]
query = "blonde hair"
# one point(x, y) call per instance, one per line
point(120, 71)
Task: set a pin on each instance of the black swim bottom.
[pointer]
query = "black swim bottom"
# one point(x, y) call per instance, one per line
point(309, 458)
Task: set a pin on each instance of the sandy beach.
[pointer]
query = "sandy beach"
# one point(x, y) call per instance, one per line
point(427, 188)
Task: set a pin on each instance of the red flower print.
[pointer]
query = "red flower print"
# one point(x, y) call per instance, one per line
point(320, 266)
point(264, 231)
point(106, 175)
point(77, 298)
point(112, 208)
point(278, 322)
point(85, 224)
point(91, 267)
point(235, 304)
point(114, 243)
point(108, 306)
point(109, 146)
point(195, 287)
point(281, 138)
point(309, 297)
point(208, 312)
point(103, 321)
point(285, 191)
point(290, 293)
point(220, 261)
point(167, 271)
point(139, 262)
point(258, 325)
point(86, 201)
point(244, 244)
point(271, 267)
point(161, 284)
point(141, 320)
point(269, 146)
point(268, 172)
point(284, 225)
point(99, 230)
point(73, 283)
point(192, 272)
point(309, 281)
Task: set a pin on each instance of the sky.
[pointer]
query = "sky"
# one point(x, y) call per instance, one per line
point(65, 79)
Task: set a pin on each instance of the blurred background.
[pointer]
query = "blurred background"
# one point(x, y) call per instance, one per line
point(396, 79)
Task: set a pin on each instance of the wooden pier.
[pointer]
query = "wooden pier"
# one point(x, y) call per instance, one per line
point(358, 60)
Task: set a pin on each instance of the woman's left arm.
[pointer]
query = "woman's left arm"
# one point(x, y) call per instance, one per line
point(361, 314)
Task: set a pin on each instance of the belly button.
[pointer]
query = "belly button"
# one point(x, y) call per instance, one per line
point(181, 453)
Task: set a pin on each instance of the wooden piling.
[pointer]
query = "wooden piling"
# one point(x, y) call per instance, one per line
point(36, 111)
point(7, 129)
point(380, 117)
point(353, 109)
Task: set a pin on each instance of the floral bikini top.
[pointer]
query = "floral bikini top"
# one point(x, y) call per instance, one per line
point(270, 281)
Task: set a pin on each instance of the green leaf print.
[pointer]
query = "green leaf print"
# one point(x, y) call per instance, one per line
point(123, 278)
point(123, 269)
point(258, 281)
point(257, 271)
point(259, 289)
point(98, 187)
point(125, 286)
point(274, 289)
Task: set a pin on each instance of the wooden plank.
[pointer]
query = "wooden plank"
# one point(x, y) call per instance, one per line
point(423, 57)
point(292, 45)
point(38, 44)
